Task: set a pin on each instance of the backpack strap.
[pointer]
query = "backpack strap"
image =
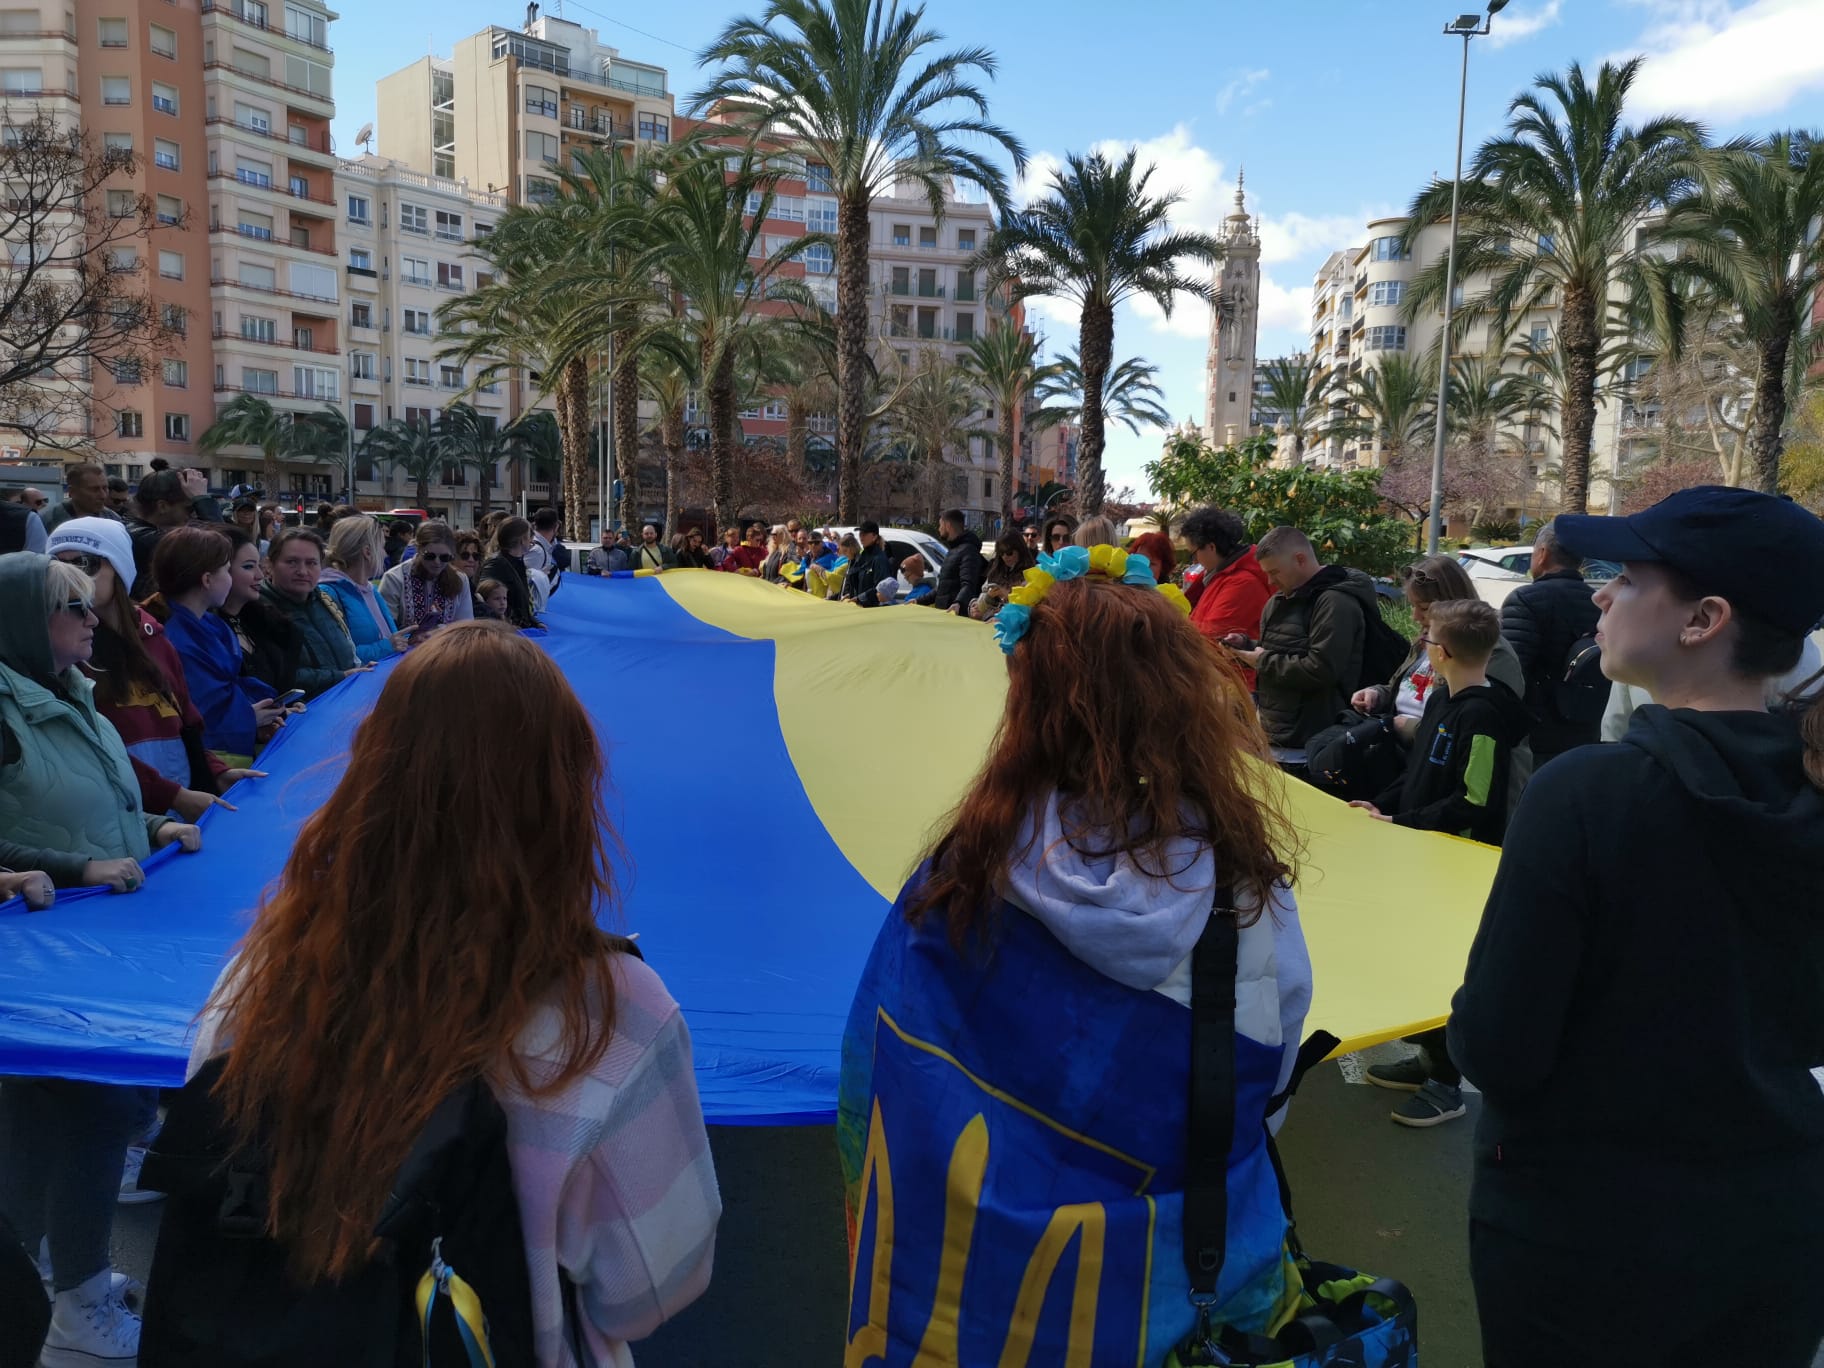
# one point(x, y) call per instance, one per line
point(1800, 695)
point(1211, 1109)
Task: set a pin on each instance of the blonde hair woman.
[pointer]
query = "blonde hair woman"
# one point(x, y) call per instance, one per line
point(355, 557)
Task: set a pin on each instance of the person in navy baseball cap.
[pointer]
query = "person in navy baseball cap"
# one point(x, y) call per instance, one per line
point(1763, 554)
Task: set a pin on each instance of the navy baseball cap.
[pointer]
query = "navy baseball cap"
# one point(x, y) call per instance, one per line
point(1762, 553)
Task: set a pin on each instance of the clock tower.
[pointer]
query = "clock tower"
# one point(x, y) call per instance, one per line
point(1234, 324)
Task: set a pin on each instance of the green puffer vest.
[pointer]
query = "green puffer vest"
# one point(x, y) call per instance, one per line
point(73, 788)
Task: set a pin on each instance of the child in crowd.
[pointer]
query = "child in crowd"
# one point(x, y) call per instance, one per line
point(1456, 781)
point(493, 598)
point(914, 586)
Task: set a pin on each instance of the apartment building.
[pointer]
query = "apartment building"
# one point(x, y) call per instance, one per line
point(507, 107)
point(227, 106)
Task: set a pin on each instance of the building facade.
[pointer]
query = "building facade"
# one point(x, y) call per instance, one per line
point(1234, 330)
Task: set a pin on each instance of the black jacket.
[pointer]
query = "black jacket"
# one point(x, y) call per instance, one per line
point(1460, 764)
point(15, 521)
point(512, 573)
point(144, 537)
point(959, 579)
point(865, 571)
point(1312, 638)
point(1642, 1008)
point(271, 648)
point(1541, 621)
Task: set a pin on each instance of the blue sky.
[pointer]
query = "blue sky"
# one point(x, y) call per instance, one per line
point(1338, 109)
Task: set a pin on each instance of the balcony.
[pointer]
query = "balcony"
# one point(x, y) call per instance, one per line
point(223, 335)
point(600, 125)
point(316, 306)
point(310, 395)
point(417, 382)
point(301, 141)
point(323, 106)
point(235, 13)
point(41, 92)
point(267, 237)
point(259, 181)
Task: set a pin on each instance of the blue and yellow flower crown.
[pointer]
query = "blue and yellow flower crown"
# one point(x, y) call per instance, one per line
point(1074, 562)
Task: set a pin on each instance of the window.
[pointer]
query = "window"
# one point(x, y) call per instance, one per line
point(820, 215)
point(1386, 292)
point(655, 128)
point(122, 204)
point(819, 261)
point(360, 259)
point(255, 225)
point(412, 218)
point(364, 417)
point(248, 116)
point(789, 208)
point(1387, 249)
point(419, 417)
point(449, 226)
point(415, 270)
point(123, 259)
point(175, 319)
point(1547, 245)
point(306, 26)
point(177, 427)
point(132, 423)
point(1389, 338)
point(482, 230)
point(314, 77)
point(417, 370)
point(171, 265)
point(164, 154)
point(317, 282)
point(256, 329)
point(250, 172)
point(361, 316)
point(176, 374)
point(299, 187)
point(1540, 336)
point(256, 381)
point(360, 210)
point(114, 33)
point(902, 235)
point(541, 147)
point(965, 239)
point(164, 97)
point(817, 177)
point(116, 90)
point(361, 365)
point(21, 81)
point(417, 321)
point(539, 190)
point(170, 209)
point(927, 323)
point(316, 382)
point(965, 327)
point(164, 41)
point(449, 277)
point(1456, 297)
point(541, 101)
point(927, 237)
point(117, 143)
point(259, 277)
point(450, 377)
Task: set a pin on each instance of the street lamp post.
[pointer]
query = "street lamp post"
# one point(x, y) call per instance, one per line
point(1464, 26)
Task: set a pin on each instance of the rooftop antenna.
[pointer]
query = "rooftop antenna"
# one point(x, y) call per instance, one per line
point(365, 138)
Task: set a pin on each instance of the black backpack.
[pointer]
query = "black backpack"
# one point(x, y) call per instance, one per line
point(1580, 693)
point(448, 1289)
point(1384, 650)
point(1356, 758)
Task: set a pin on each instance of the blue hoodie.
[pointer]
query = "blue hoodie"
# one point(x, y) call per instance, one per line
point(212, 669)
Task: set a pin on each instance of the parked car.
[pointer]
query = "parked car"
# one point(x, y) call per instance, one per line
point(907, 541)
point(1498, 570)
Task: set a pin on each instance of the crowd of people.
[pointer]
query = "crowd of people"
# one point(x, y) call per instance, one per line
point(1651, 922)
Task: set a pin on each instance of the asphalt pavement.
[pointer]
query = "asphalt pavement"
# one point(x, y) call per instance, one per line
point(1367, 1192)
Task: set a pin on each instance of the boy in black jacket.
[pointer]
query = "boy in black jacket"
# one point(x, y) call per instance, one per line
point(1455, 781)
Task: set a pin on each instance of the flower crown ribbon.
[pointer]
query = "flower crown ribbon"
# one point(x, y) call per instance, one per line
point(1073, 562)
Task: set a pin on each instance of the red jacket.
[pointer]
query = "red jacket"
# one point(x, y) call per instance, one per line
point(743, 557)
point(1232, 601)
point(169, 725)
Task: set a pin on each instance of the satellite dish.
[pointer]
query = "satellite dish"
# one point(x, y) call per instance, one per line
point(365, 136)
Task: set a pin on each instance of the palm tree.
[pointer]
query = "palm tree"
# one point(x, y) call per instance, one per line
point(474, 440)
point(1390, 404)
point(930, 415)
point(248, 420)
point(1747, 235)
point(855, 86)
point(534, 437)
point(1097, 237)
point(1130, 395)
point(1297, 389)
point(416, 449)
point(1003, 365)
point(1555, 204)
point(668, 383)
point(709, 248)
point(1481, 399)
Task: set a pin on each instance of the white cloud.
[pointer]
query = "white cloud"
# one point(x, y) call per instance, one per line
point(1517, 24)
point(1241, 86)
point(1714, 60)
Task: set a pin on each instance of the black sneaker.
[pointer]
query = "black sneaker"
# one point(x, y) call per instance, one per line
point(1431, 1105)
point(1404, 1075)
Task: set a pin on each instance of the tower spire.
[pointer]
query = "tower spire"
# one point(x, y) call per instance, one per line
point(1241, 176)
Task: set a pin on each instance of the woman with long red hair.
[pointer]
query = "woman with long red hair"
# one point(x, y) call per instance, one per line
point(392, 965)
point(1016, 1061)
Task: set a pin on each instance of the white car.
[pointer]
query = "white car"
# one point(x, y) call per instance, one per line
point(906, 541)
point(1498, 570)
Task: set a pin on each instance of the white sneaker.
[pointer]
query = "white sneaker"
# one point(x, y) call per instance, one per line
point(91, 1329)
point(131, 1193)
point(131, 1292)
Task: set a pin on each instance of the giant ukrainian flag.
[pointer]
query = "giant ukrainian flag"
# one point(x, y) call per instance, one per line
point(777, 765)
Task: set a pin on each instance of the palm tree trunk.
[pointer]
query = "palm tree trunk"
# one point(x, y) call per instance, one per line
point(484, 489)
point(852, 313)
point(1770, 410)
point(797, 434)
point(722, 437)
point(935, 470)
point(424, 488)
point(1007, 440)
point(1577, 334)
point(627, 426)
point(1095, 350)
point(269, 469)
point(671, 437)
point(573, 428)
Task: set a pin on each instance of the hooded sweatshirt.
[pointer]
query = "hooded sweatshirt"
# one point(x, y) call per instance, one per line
point(1313, 639)
point(1460, 764)
point(1641, 1008)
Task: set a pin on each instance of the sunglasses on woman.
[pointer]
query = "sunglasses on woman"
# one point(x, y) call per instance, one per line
point(436, 557)
point(83, 561)
point(77, 608)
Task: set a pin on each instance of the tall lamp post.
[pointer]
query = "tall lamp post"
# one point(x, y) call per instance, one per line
point(1464, 26)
